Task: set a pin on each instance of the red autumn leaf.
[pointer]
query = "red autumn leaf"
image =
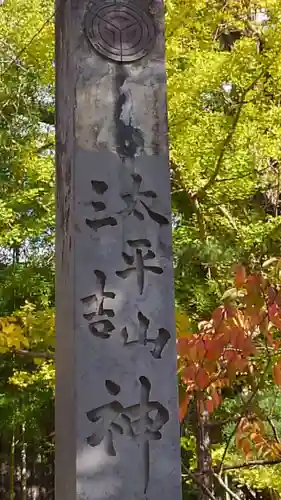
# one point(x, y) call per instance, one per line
point(218, 316)
point(202, 378)
point(274, 312)
point(239, 275)
point(214, 347)
point(277, 374)
point(192, 353)
point(249, 347)
point(237, 338)
point(245, 446)
point(183, 406)
point(210, 405)
point(188, 374)
point(257, 438)
point(226, 334)
point(278, 299)
point(253, 284)
point(201, 350)
point(216, 398)
point(271, 293)
point(255, 317)
point(254, 435)
point(231, 371)
point(183, 346)
point(239, 438)
point(230, 356)
point(241, 364)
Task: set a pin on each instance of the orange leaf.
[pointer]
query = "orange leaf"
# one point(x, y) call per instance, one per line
point(216, 398)
point(277, 374)
point(253, 284)
point(240, 364)
point(237, 338)
point(256, 437)
point(230, 356)
point(183, 346)
point(275, 315)
point(239, 275)
point(271, 293)
point(201, 350)
point(192, 353)
point(218, 316)
point(210, 405)
point(183, 406)
point(214, 348)
point(245, 446)
point(202, 378)
point(188, 374)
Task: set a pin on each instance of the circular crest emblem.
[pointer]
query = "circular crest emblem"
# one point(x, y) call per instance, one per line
point(119, 30)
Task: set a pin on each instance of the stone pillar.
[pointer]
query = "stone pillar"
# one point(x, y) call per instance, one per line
point(117, 432)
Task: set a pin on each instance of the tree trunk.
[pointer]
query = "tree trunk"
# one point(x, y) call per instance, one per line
point(12, 467)
point(203, 450)
point(23, 466)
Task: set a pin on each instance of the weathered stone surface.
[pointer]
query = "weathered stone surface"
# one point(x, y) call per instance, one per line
point(116, 358)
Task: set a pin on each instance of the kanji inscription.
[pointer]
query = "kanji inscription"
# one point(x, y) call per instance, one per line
point(98, 314)
point(117, 430)
point(140, 253)
point(141, 422)
point(137, 202)
point(143, 338)
point(100, 187)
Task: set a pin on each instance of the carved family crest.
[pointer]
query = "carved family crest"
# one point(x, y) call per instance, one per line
point(120, 30)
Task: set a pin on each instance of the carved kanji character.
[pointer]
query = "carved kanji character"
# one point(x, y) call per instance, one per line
point(159, 342)
point(136, 422)
point(141, 253)
point(99, 326)
point(135, 202)
point(100, 187)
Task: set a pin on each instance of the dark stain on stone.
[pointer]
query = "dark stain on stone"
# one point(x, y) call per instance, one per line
point(129, 139)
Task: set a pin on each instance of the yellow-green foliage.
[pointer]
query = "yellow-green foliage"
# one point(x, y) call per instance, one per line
point(28, 328)
point(27, 30)
point(45, 374)
point(257, 477)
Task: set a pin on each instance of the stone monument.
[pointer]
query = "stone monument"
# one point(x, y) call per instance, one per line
point(117, 432)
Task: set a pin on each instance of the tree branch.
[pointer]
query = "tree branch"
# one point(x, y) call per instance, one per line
point(225, 487)
point(200, 218)
point(253, 463)
point(225, 143)
point(34, 354)
point(198, 482)
point(220, 423)
point(227, 215)
point(244, 409)
point(274, 430)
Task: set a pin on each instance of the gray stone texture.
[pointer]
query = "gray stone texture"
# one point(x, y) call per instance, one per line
point(116, 355)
